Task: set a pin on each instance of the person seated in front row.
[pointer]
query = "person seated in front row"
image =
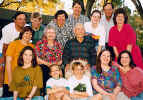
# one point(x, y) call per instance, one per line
point(132, 76)
point(79, 83)
point(57, 87)
point(106, 79)
point(27, 77)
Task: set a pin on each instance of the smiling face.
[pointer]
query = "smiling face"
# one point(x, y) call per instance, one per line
point(50, 34)
point(61, 19)
point(27, 57)
point(20, 20)
point(55, 72)
point(36, 22)
point(78, 70)
point(95, 18)
point(120, 19)
point(77, 9)
point(105, 58)
point(125, 59)
point(79, 31)
point(108, 10)
point(27, 36)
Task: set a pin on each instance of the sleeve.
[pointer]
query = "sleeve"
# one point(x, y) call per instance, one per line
point(131, 36)
point(89, 87)
point(118, 78)
point(38, 48)
point(38, 81)
point(102, 38)
point(70, 83)
point(13, 86)
point(5, 33)
point(59, 51)
point(66, 53)
point(11, 49)
point(94, 73)
point(48, 84)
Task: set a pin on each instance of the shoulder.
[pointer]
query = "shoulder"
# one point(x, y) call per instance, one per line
point(15, 42)
point(10, 25)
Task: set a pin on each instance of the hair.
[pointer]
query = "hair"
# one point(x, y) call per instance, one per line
point(59, 67)
point(20, 61)
point(96, 11)
point(98, 64)
point(49, 27)
point(132, 64)
point(17, 14)
point(36, 15)
point(60, 12)
point(25, 29)
point(107, 4)
point(76, 2)
point(75, 64)
point(120, 11)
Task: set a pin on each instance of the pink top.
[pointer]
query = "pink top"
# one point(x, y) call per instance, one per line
point(120, 39)
point(132, 82)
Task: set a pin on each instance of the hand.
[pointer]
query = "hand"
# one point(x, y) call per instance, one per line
point(29, 98)
point(87, 67)
point(113, 96)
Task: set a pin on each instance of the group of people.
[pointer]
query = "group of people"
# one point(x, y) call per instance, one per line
point(73, 57)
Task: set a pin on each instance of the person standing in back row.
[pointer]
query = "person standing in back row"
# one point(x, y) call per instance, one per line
point(107, 22)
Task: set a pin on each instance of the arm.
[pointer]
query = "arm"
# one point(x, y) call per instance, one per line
point(55, 90)
point(129, 47)
point(32, 92)
point(99, 49)
point(15, 95)
point(115, 51)
point(76, 94)
point(98, 88)
point(8, 67)
point(40, 61)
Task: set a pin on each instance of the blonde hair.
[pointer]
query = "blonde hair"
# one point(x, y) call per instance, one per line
point(59, 67)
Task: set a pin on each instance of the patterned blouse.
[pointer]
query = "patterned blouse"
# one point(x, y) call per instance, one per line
point(107, 80)
point(49, 54)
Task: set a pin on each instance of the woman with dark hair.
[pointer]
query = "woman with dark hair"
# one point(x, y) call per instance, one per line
point(132, 76)
point(64, 31)
point(123, 37)
point(97, 29)
point(12, 54)
point(27, 77)
point(106, 80)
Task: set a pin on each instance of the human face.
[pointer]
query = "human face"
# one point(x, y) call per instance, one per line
point(27, 36)
point(61, 19)
point(76, 9)
point(105, 58)
point(95, 18)
point(36, 22)
point(108, 10)
point(27, 57)
point(20, 20)
point(55, 72)
point(78, 70)
point(125, 59)
point(79, 31)
point(50, 34)
point(120, 19)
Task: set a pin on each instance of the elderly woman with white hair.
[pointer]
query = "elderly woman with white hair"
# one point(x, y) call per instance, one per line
point(49, 52)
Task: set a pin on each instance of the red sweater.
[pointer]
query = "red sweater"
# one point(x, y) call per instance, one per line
point(132, 82)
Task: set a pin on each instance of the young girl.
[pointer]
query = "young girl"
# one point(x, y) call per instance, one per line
point(80, 85)
point(57, 87)
point(27, 77)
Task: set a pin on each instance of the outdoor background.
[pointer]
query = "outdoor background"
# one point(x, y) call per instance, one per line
point(48, 8)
